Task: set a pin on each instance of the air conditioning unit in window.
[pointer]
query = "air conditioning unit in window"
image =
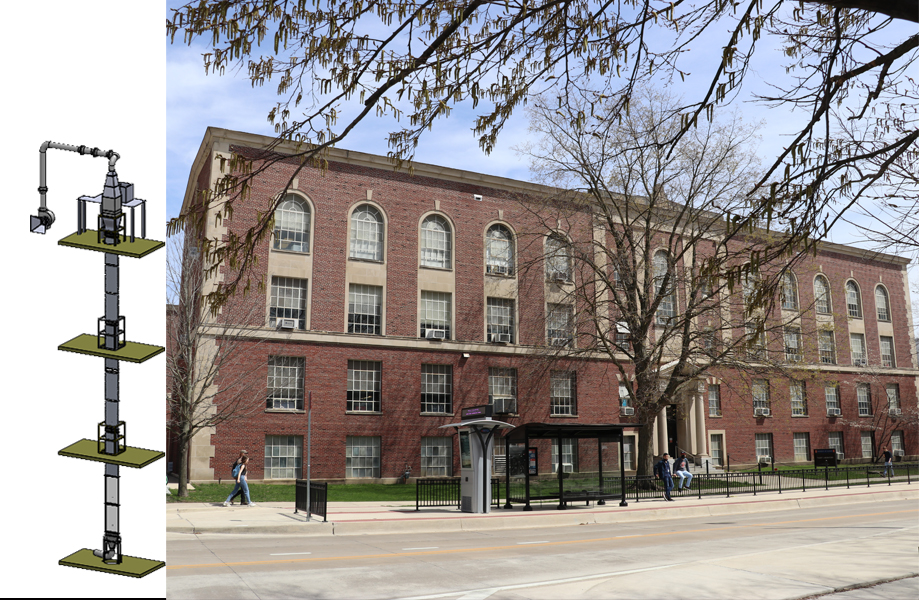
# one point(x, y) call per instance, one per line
point(894, 412)
point(760, 412)
point(559, 277)
point(860, 362)
point(435, 334)
point(500, 338)
point(566, 468)
point(560, 341)
point(833, 412)
point(626, 411)
point(840, 455)
point(497, 270)
point(764, 460)
point(504, 405)
point(286, 324)
point(899, 453)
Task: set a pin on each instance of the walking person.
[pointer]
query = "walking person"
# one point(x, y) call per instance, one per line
point(238, 460)
point(681, 468)
point(662, 471)
point(888, 462)
point(241, 482)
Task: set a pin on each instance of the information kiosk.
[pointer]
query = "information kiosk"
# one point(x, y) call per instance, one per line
point(477, 447)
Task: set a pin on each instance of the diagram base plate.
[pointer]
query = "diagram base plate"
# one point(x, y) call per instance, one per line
point(89, 240)
point(130, 565)
point(131, 457)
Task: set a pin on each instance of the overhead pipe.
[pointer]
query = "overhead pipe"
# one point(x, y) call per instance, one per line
point(42, 222)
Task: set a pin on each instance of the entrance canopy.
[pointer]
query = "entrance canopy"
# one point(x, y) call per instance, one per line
point(521, 463)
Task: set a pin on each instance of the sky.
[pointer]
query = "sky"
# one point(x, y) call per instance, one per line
point(196, 101)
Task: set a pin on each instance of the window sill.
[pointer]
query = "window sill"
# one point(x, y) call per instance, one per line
point(446, 269)
point(799, 416)
point(563, 416)
point(437, 414)
point(717, 416)
point(297, 411)
point(363, 412)
point(372, 261)
point(502, 275)
point(295, 252)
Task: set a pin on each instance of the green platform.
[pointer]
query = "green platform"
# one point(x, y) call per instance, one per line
point(88, 240)
point(130, 565)
point(132, 351)
point(131, 457)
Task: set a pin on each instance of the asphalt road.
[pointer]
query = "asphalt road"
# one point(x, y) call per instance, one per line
point(790, 554)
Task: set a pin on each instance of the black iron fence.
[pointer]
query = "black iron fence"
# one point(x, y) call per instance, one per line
point(319, 498)
point(756, 482)
point(445, 491)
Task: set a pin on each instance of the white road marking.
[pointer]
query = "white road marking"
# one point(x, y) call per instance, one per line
point(289, 553)
point(540, 542)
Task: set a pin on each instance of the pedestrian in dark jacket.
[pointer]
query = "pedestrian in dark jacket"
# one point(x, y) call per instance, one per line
point(888, 462)
point(662, 471)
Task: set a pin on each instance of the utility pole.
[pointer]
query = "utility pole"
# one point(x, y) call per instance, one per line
point(112, 238)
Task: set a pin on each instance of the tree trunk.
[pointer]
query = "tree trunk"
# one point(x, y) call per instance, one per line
point(184, 444)
point(645, 464)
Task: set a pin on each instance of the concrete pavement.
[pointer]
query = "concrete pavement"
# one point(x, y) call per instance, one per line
point(359, 518)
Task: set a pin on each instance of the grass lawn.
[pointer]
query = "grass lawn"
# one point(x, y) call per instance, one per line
point(263, 492)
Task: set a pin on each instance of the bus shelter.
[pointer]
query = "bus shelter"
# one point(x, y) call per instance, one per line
point(592, 478)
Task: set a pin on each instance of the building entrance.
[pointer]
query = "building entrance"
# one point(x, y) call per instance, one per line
point(673, 446)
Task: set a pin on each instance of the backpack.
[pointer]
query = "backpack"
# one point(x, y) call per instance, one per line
point(236, 470)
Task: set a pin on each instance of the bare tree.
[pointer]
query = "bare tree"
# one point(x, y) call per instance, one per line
point(208, 385)
point(415, 61)
point(644, 273)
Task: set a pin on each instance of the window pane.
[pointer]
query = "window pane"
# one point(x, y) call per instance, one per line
point(436, 240)
point(362, 456)
point(288, 301)
point(288, 446)
point(558, 263)
point(559, 325)
point(436, 457)
point(887, 355)
point(285, 383)
point(500, 320)
point(853, 301)
point(499, 251)
point(802, 446)
point(367, 233)
point(880, 299)
point(364, 385)
point(502, 389)
point(292, 225)
point(714, 400)
point(798, 399)
point(435, 313)
point(789, 292)
point(365, 309)
point(857, 342)
point(826, 345)
point(562, 393)
point(822, 295)
point(436, 389)
point(863, 392)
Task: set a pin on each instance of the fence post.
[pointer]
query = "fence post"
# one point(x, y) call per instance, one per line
point(727, 479)
point(780, 483)
point(847, 478)
point(868, 474)
point(417, 497)
point(754, 483)
point(826, 478)
point(700, 480)
point(803, 480)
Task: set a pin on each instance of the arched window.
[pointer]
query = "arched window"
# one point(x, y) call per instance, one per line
point(822, 295)
point(292, 225)
point(853, 300)
point(366, 233)
point(558, 261)
point(499, 251)
point(789, 291)
point(882, 302)
point(436, 241)
point(666, 310)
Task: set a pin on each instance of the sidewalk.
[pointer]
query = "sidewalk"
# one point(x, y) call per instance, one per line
point(357, 518)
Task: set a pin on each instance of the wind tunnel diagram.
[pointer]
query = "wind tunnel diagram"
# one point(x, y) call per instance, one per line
point(115, 235)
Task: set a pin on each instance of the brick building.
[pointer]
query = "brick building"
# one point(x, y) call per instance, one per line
point(398, 299)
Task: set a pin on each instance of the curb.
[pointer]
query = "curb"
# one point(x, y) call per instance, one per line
point(434, 524)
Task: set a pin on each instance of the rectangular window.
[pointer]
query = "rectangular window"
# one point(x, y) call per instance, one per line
point(887, 356)
point(834, 441)
point(288, 301)
point(798, 394)
point(896, 442)
point(436, 312)
point(760, 396)
point(569, 455)
point(622, 336)
point(500, 320)
point(563, 393)
point(436, 389)
point(802, 446)
point(625, 399)
point(893, 395)
point(857, 341)
point(436, 457)
point(628, 452)
point(283, 456)
point(793, 344)
point(365, 309)
point(362, 456)
point(502, 390)
point(558, 325)
point(831, 393)
point(756, 343)
point(717, 447)
point(867, 444)
point(714, 400)
point(285, 383)
point(826, 345)
point(863, 392)
point(763, 446)
point(364, 386)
